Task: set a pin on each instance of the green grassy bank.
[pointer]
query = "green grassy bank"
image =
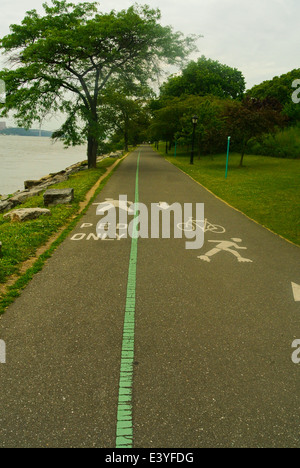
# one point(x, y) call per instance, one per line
point(266, 189)
point(21, 240)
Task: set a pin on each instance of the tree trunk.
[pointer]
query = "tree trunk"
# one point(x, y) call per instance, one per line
point(242, 158)
point(92, 152)
point(243, 153)
point(126, 136)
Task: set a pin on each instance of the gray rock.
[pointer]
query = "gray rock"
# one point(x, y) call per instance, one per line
point(52, 181)
point(54, 174)
point(23, 196)
point(73, 168)
point(47, 181)
point(25, 214)
point(1, 253)
point(58, 196)
point(29, 184)
point(6, 205)
point(57, 179)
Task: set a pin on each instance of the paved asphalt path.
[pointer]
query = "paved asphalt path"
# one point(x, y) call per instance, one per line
point(213, 339)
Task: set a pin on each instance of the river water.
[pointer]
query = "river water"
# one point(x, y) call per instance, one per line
point(26, 158)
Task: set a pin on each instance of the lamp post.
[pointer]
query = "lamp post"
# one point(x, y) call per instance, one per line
point(227, 159)
point(195, 121)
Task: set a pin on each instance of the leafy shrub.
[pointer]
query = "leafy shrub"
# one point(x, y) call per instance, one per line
point(285, 144)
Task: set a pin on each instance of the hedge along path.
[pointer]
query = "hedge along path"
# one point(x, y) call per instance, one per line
point(25, 266)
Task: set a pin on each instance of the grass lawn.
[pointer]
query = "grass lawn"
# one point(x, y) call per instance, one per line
point(266, 189)
point(20, 241)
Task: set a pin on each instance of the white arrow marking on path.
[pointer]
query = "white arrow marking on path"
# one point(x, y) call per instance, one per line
point(163, 205)
point(110, 204)
point(296, 291)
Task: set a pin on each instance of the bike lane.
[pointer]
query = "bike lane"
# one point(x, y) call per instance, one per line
point(63, 335)
point(214, 328)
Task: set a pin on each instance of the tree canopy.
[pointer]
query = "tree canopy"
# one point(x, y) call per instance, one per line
point(64, 60)
point(251, 118)
point(216, 94)
point(206, 77)
point(124, 112)
point(243, 120)
point(281, 89)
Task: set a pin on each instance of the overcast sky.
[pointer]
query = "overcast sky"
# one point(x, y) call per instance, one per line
point(259, 37)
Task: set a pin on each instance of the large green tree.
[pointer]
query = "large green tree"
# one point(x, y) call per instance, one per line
point(123, 111)
point(63, 60)
point(280, 88)
point(243, 120)
point(206, 77)
point(173, 121)
point(166, 120)
point(250, 119)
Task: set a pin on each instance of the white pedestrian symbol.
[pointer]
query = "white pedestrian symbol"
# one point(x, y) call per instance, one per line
point(226, 246)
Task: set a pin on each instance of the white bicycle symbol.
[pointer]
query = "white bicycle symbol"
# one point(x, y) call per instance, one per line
point(192, 224)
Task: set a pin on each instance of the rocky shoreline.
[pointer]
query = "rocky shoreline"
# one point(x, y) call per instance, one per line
point(36, 187)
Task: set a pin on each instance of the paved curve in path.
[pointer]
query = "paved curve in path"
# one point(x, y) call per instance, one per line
point(207, 361)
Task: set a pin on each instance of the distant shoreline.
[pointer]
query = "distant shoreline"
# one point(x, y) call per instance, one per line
point(22, 132)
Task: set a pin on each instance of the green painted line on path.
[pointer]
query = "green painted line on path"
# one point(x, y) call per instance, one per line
point(124, 436)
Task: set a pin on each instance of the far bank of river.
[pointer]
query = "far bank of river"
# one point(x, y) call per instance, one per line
point(23, 158)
